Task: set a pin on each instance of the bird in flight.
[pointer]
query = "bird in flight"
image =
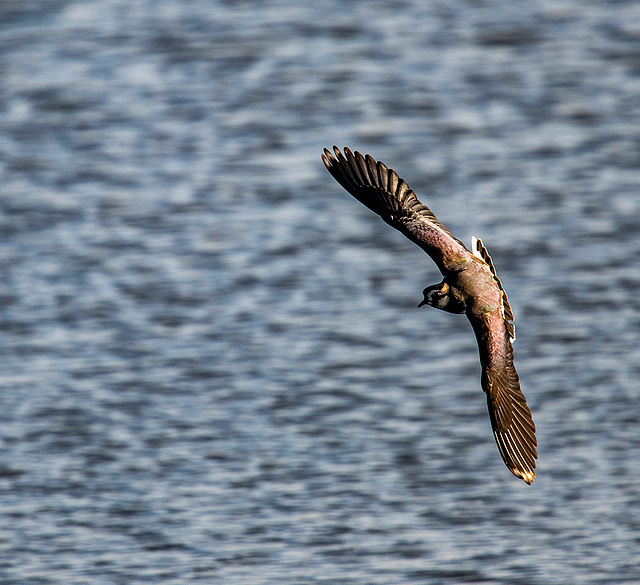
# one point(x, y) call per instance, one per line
point(470, 285)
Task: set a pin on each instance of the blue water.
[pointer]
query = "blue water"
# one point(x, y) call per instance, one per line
point(214, 370)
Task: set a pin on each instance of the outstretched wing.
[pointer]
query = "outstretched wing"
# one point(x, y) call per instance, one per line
point(383, 191)
point(511, 420)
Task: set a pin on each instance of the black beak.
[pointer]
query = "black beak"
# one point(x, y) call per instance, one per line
point(422, 302)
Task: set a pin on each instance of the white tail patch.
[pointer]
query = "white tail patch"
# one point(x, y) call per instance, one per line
point(475, 249)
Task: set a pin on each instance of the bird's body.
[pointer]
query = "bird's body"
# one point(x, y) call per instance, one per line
point(470, 286)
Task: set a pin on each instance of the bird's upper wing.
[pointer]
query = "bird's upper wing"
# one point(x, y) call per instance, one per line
point(511, 420)
point(383, 191)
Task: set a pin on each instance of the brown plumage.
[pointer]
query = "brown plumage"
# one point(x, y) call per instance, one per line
point(470, 285)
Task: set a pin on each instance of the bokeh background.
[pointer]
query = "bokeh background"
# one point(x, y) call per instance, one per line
point(213, 368)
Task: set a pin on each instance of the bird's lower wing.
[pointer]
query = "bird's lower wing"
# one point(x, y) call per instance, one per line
point(511, 420)
point(383, 191)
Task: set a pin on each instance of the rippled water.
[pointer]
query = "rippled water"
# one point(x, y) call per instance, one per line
point(213, 367)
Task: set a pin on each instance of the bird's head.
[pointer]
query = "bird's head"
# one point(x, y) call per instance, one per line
point(440, 296)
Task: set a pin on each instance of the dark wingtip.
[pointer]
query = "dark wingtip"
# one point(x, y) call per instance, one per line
point(327, 157)
point(331, 159)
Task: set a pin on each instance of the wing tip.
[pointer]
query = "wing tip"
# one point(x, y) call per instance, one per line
point(526, 475)
point(328, 157)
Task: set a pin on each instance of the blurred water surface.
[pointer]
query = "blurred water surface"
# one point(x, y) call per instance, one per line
point(213, 367)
